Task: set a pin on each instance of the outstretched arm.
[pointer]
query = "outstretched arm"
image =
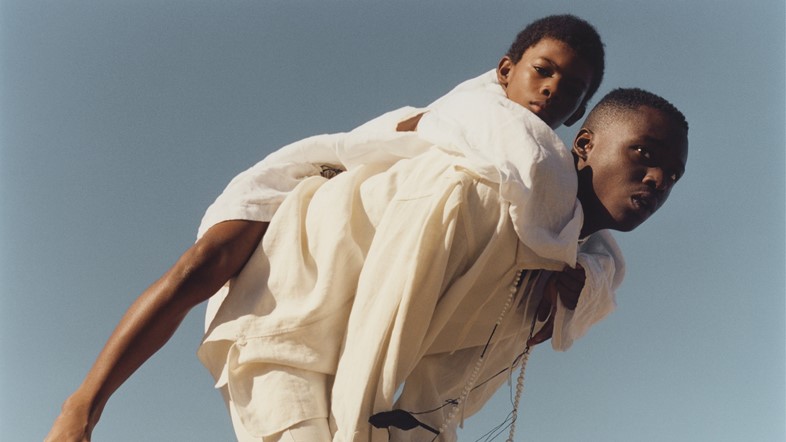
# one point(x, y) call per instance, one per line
point(152, 319)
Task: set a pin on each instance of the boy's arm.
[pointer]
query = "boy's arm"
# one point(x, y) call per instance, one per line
point(153, 318)
point(504, 143)
point(265, 185)
point(257, 192)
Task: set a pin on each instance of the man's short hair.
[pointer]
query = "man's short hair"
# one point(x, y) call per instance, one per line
point(625, 99)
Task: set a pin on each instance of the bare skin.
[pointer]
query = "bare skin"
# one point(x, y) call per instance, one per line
point(152, 319)
point(550, 80)
point(565, 286)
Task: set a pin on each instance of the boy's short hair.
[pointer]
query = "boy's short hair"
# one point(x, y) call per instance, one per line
point(626, 99)
point(578, 34)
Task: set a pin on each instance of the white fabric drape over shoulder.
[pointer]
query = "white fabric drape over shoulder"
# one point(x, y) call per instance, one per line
point(395, 270)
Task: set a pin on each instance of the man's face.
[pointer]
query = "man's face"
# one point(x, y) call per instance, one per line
point(628, 168)
point(550, 80)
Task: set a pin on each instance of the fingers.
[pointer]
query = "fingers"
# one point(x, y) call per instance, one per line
point(570, 283)
point(549, 298)
point(569, 296)
point(544, 333)
point(546, 311)
point(567, 285)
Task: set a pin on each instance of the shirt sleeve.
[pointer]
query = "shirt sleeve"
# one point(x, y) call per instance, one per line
point(535, 171)
point(256, 194)
point(505, 143)
point(604, 266)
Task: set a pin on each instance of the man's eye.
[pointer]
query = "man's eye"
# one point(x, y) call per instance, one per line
point(644, 152)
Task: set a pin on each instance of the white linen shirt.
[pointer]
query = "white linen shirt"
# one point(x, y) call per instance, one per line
point(256, 194)
point(275, 333)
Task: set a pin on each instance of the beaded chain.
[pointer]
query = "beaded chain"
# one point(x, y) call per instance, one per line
point(405, 420)
point(468, 386)
point(519, 391)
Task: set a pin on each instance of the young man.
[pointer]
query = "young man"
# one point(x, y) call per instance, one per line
point(409, 275)
point(552, 68)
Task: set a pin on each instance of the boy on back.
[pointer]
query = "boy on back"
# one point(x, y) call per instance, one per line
point(556, 92)
point(552, 69)
point(427, 274)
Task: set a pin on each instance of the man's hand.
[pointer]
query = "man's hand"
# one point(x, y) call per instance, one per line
point(566, 285)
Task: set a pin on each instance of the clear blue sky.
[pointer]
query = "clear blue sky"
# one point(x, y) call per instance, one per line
point(120, 121)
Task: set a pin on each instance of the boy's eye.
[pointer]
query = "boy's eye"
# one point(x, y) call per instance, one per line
point(542, 71)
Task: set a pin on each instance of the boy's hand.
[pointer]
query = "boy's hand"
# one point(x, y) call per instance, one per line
point(566, 285)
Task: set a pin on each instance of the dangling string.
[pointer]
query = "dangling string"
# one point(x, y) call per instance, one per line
point(469, 385)
point(406, 420)
point(520, 381)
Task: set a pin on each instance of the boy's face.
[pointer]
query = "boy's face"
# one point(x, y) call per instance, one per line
point(627, 168)
point(550, 80)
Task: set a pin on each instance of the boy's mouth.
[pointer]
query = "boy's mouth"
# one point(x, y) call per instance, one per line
point(540, 109)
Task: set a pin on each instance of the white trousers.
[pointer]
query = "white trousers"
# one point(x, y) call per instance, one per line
point(311, 430)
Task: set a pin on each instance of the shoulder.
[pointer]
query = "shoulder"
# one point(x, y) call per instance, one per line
point(482, 109)
point(603, 243)
point(493, 126)
point(486, 82)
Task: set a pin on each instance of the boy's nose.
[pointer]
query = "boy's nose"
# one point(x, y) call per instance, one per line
point(547, 91)
point(550, 88)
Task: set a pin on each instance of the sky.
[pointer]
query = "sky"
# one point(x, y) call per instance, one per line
point(121, 121)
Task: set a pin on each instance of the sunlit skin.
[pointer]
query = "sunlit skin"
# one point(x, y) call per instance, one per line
point(626, 171)
point(628, 168)
point(550, 80)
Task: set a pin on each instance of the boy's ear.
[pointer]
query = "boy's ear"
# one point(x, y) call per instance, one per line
point(503, 70)
point(582, 144)
point(576, 116)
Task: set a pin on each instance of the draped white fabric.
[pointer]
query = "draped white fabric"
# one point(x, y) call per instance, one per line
point(397, 269)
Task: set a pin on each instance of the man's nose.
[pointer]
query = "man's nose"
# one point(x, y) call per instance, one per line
point(656, 178)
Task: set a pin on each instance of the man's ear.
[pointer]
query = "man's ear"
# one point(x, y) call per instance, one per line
point(582, 144)
point(576, 116)
point(503, 70)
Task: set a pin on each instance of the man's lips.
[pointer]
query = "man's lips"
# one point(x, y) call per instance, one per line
point(645, 201)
